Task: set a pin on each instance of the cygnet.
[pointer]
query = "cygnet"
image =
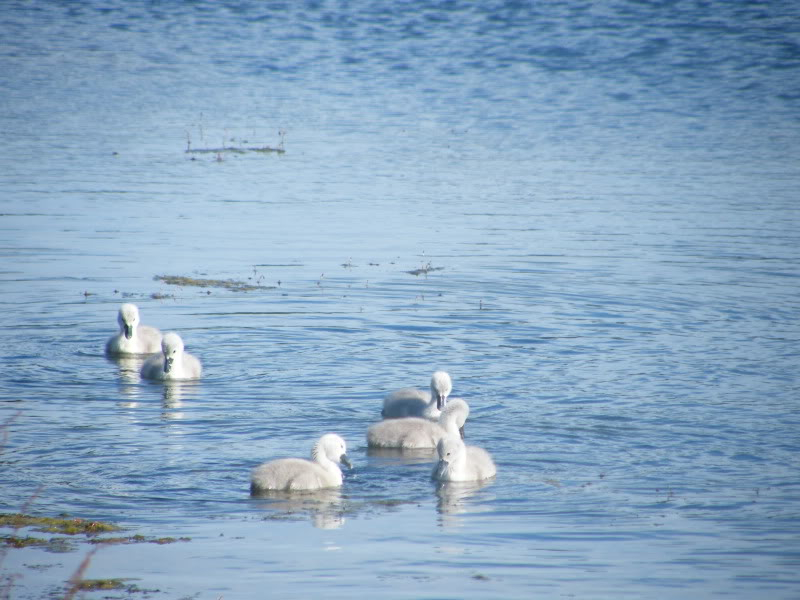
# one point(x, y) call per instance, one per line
point(458, 462)
point(414, 432)
point(299, 474)
point(411, 402)
point(173, 363)
point(133, 338)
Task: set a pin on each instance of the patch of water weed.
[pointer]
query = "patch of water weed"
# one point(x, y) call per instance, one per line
point(138, 539)
point(63, 525)
point(111, 585)
point(56, 544)
point(424, 269)
point(228, 284)
point(102, 584)
point(160, 296)
point(232, 144)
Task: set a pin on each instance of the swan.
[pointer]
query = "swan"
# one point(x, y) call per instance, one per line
point(133, 338)
point(173, 363)
point(299, 474)
point(413, 432)
point(458, 462)
point(411, 402)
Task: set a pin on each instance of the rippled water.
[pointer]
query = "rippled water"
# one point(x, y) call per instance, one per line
point(606, 198)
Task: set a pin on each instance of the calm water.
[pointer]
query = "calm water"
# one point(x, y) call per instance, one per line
point(607, 194)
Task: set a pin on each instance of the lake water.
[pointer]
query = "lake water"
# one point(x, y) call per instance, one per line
point(603, 197)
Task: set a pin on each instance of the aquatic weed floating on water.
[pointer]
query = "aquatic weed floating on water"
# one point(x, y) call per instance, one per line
point(236, 149)
point(228, 284)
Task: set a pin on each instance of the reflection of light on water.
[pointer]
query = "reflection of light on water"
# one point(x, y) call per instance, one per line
point(454, 500)
point(174, 392)
point(323, 507)
point(173, 416)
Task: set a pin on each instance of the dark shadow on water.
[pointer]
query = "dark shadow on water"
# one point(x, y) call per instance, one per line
point(324, 508)
point(403, 456)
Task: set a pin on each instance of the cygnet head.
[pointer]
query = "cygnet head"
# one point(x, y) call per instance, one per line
point(333, 447)
point(172, 347)
point(441, 386)
point(128, 319)
point(449, 448)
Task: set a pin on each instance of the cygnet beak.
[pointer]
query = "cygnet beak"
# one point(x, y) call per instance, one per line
point(345, 461)
point(461, 431)
point(128, 331)
point(168, 364)
point(441, 401)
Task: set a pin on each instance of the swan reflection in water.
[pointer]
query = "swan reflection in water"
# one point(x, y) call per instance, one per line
point(456, 498)
point(129, 378)
point(325, 508)
point(173, 395)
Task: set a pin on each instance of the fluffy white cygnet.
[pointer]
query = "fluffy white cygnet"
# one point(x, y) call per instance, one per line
point(173, 363)
point(299, 474)
point(133, 338)
point(458, 462)
point(414, 432)
point(411, 402)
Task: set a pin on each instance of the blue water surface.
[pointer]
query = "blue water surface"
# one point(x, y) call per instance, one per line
point(586, 212)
